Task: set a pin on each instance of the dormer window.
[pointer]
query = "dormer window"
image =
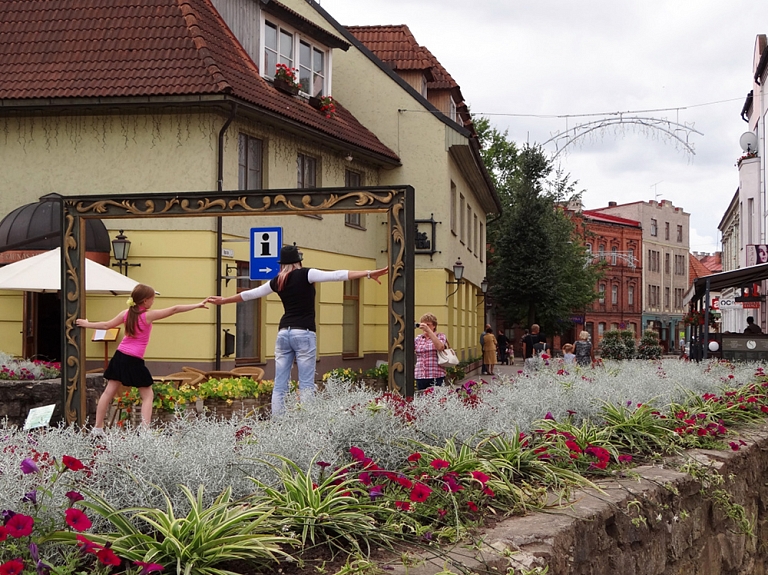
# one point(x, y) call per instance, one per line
point(284, 45)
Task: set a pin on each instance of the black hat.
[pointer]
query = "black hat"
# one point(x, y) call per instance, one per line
point(290, 255)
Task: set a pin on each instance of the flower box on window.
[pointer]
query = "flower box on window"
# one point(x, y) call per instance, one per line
point(285, 80)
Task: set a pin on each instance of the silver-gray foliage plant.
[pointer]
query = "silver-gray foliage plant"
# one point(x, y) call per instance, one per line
point(127, 467)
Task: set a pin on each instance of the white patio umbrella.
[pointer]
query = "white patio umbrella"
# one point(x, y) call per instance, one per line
point(42, 273)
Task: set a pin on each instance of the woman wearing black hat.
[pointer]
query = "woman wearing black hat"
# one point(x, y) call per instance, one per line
point(296, 339)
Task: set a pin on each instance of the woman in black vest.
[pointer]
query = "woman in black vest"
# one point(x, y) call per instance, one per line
point(296, 339)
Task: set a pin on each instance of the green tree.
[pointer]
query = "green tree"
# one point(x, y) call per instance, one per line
point(537, 261)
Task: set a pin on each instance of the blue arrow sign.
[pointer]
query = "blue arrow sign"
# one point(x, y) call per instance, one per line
point(265, 252)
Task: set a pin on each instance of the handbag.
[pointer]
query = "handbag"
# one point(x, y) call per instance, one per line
point(447, 357)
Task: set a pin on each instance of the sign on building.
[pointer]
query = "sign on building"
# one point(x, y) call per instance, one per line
point(265, 252)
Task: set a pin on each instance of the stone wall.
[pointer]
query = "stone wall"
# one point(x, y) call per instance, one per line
point(18, 397)
point(655, 521)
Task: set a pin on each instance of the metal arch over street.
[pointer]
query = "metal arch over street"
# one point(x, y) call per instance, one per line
point(396, 201)
point(667, 128)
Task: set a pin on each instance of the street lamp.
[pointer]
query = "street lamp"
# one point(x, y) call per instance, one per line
point(458, 273)
point(121, 247)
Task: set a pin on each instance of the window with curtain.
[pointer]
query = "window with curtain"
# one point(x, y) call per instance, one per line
point(353, 180)
point(250, 162)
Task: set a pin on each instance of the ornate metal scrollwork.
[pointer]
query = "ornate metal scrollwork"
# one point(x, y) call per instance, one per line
point(397, 202)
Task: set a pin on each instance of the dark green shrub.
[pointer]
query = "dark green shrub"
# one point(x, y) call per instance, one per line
point(649, 346)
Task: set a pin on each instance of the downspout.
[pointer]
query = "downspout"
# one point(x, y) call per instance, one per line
point(219, 228)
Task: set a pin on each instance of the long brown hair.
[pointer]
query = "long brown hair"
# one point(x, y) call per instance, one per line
point(285, 269)
point(139, 294)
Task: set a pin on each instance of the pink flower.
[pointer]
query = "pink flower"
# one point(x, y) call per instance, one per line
point(86, 544)
point(439, 463)
point(147, 568)
point(12, 567)
point(77, 520)
point(625, 459)
point(72, 463)
point(472, 506)
point(108, 557)
point(20, 525)
point(73, 496)
point(402, 505)
point(414, 457)
point(420, 492)
point(480, 476)
point(734, 446)
point(357, 453)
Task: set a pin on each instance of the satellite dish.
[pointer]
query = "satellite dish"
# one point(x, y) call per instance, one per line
point(748, 142)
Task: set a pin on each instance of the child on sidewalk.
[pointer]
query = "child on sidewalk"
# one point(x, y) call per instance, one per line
point(127, 365)
point(568, 355)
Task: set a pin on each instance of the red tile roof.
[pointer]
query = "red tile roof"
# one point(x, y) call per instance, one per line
point(713, 262)
point(608, 218)
point(696, 269)
point(396, 47)
point(134, 48)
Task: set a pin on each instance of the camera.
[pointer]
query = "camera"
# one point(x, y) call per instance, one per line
point(417, 325)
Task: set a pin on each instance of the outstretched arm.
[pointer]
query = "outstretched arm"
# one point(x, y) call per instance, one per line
point(263, 290)
point(319, 276)
point(155, 314)
point(114, 322)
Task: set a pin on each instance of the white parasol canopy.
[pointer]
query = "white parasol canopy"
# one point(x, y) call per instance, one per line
point(42, 273)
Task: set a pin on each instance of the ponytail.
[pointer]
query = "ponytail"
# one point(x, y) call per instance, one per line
point(139, 294)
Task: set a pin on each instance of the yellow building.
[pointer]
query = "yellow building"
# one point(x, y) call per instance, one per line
point(184, 98)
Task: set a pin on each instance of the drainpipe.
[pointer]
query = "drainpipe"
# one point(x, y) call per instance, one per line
point(219, 228)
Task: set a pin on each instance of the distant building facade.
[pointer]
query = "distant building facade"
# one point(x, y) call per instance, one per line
point(617, 242)
point(665, 249)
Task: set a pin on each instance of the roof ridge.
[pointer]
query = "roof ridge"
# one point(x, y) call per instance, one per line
point(190, 19)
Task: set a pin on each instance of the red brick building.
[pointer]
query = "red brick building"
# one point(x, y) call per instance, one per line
point(619, 243)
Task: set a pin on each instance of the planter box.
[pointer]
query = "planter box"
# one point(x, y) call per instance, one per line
point(260, 407)
point(285, 86)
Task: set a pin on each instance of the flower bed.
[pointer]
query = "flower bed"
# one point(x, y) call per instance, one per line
point(24, 370)
point(355, 468)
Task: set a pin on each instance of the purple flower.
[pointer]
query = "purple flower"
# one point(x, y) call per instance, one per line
point(73, 496)
point(549, 416)
point(28, 466)
point(376, 491)
point(30, 497)
point(323, 464)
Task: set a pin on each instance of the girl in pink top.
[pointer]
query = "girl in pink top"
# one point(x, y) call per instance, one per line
point(127, 365)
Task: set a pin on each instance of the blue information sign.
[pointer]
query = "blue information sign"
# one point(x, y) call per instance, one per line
point(265, 252)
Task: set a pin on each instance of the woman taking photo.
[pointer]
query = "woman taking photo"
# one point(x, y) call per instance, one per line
point(428, 372)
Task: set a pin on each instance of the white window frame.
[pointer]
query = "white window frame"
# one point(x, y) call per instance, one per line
point(298, 38)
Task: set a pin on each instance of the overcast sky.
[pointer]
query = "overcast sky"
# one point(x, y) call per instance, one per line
point(517, 60)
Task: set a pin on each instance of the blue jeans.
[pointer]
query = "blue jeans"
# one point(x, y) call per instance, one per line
point(299, 345)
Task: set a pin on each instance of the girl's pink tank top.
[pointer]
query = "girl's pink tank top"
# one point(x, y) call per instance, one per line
point(136, 344)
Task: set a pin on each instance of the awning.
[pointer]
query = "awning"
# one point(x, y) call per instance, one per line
point(42, 273)
point(723, 280)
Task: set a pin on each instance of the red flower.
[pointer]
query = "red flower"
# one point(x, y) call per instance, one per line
point(404, 481)
point(420, 492)
point(3, 533)
point(439, 463)
point(357, 453)
point(414, 457)
point(12, 567)
point(147, 568)
point(480, 476)
point(20, 525)
point(77, 520)
point(108, 557)
point(489, 492)
point(573, 446)
point(72, 463)
point(86, 544)
point(471, 506)
point(402, 505)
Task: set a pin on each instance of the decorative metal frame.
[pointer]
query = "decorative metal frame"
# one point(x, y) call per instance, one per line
point(396, 201)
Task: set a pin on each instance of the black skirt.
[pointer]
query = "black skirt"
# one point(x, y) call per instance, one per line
point(128, 370)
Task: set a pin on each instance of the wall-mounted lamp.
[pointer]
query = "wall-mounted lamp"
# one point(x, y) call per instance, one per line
point(121, 247)
point(484, 285)
point(348, 157)
point(458, 273)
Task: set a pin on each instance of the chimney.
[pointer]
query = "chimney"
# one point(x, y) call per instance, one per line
point(612, 204)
